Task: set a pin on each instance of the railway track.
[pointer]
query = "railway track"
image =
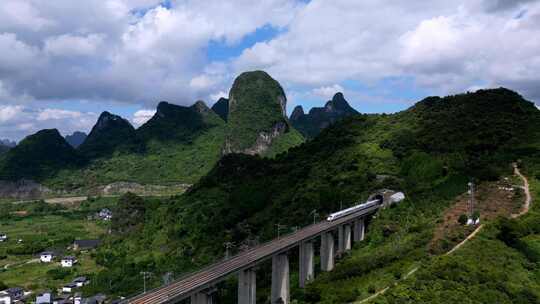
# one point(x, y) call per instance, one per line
point(211, 275)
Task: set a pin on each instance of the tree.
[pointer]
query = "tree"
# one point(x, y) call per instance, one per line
point(463, 219)
point(129, 213)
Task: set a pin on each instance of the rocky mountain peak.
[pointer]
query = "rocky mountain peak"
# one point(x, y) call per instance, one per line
point(339, 104)
point(221, 108)
point(297, 113)
point(200, 106)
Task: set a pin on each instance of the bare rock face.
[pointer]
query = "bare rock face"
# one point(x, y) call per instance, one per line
point(264, 139)
point(23, 189)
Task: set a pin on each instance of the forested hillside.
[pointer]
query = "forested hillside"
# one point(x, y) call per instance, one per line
point(430, 151)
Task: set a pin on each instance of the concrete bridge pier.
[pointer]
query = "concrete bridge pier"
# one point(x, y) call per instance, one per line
point(347, 237)
point(359, 230)
point(306, 263)
point(202, 298)
point(344, 238)
point(280, 279)
point(247, 286)
point(327, 251)
point(341, 240)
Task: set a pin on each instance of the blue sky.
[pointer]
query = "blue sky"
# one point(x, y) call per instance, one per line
point(61, 65)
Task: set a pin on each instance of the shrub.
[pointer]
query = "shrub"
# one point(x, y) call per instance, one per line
point(58, 273)
point(463, 219)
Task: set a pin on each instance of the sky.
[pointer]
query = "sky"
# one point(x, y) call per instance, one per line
point(63, 62)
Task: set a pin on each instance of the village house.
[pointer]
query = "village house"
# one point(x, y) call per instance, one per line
point(11, 295)
point(105, 214)
point(85, 245)
point(3, 237)
point(62, 299)
point(44, 298)
point(5, 298)
point(77, 298)
point(97, 299)
point(68, 261)
point(69, 288)
point(46, 257)
point(81, 281)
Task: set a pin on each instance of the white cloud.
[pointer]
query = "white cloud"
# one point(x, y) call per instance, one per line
point(216, 96)
point(8, 113)
point(70, 45)
point(17, 121)
point(57, 114)
point(129, 51)
point(328, 91)
point(445, 47)
point(142, 116)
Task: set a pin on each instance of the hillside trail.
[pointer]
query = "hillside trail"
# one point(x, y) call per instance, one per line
point(528, 197)
point(525, 209)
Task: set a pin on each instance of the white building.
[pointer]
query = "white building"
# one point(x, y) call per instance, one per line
point(46, 257)
point(5, 298)
point(3, 237)
point(81, 281)
point(69, 288)
point(68, 261)
point(44, 298)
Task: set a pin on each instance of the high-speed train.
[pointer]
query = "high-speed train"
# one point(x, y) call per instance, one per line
point(395, 198)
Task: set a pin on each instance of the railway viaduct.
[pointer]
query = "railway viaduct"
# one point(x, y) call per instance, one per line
point(200, 286)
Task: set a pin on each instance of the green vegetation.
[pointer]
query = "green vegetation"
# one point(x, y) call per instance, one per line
point(221, 108)
point(257, 104)
point(180, 145)
point(111, 134)
point(39, 156)
point(41, 226)
point(421, 151)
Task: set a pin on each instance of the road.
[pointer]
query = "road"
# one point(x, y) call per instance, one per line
point(215, 273)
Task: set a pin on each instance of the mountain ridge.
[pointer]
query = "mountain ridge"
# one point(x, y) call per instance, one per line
point(318, 118)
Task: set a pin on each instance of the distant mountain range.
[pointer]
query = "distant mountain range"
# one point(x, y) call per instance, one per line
point(6, 145)
point(178, 144)
point(311, 124)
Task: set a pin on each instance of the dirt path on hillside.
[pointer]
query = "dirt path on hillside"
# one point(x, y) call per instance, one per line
point(525, 209)
point(528, 197)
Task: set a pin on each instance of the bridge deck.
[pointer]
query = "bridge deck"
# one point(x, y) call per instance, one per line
point(217, 272)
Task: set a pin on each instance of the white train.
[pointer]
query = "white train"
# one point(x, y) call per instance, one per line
point(395, 198)
point(354, 209)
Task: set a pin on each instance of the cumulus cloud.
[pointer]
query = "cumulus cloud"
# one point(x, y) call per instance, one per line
point(17, 121)
point(122, 50)
point(142, 116)
point(216, 96)
point(71, 45)
point(445, 47)
point(328, 92)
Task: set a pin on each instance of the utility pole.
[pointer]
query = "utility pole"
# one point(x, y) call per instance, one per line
point(145, 274)
point(471, 200)
point(228, 246)
point(279, 227)
point(315, 214)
